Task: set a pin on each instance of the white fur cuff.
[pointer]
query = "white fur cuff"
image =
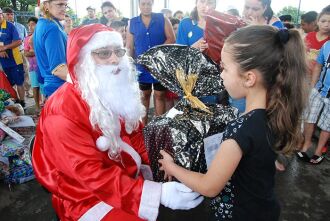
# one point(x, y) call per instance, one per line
point(150, 200)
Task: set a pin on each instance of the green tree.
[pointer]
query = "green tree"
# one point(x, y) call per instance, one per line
point(293, 11)
point(19, 5)
point(75, 19)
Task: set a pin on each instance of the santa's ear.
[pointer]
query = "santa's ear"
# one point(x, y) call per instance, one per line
point(103, 143)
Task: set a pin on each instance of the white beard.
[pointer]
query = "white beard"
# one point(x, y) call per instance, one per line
point(112, 94)
point(118, 91)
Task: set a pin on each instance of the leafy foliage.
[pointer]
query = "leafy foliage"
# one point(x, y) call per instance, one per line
point(19, 5)
point(293, 11)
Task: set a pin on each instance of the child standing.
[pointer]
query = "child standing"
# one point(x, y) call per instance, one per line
point(315, 40)
point(29, 54)
point(319, 107)
point(264, 65)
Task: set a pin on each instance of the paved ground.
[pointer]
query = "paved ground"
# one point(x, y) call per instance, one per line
point(303, 190)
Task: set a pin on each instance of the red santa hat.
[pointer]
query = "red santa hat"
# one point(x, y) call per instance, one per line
point(88, 38)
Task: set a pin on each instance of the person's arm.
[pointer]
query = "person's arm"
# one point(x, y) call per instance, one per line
point(56, 55)
point(12, 45)
point(130, 41)
point(75, 155)
point(169, 33)
point(28, 50)
point(201, 44)
point(320, 60)
point(316, 73)
point(221, 169)
point(61, 71)
point(29, 53)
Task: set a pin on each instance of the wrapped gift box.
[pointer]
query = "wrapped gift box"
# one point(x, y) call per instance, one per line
point(181, 132)
point(190, 74)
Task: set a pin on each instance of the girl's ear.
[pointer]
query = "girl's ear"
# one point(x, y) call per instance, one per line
point(250, 78)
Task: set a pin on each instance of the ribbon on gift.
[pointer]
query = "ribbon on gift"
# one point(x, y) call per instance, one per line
point(188, 83)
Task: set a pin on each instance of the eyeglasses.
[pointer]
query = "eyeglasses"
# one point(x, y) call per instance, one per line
point(106, 53)
point(61, 5)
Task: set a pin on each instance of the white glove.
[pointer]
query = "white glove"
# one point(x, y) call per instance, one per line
point(177, 196)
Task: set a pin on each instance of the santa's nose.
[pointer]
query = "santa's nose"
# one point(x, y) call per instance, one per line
point(113, 60)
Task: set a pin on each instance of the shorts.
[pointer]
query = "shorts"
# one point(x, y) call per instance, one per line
point(15, 75)
point(34, 79)
point(148, 86)
point(318, 108)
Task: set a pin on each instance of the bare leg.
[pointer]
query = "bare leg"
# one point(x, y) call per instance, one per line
point(146, 102)
point(159, 97)
point(21, 92)
point(36, 96)
point(308, 133)
point(323, 139)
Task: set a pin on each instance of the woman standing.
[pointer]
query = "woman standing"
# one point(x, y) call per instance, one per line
point(110, 14)
point(191, 30)
point(145, 31)
point(49, 32)
point(259, 12)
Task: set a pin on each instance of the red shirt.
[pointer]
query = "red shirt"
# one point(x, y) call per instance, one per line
point(313, 48)
point(313, 45)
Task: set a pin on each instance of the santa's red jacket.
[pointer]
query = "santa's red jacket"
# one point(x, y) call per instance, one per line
point(85, 183)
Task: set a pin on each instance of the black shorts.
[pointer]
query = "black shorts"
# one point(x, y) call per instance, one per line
point(148, 86)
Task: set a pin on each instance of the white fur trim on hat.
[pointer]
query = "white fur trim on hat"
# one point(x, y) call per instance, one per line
point(103, 143)
point(103, 39)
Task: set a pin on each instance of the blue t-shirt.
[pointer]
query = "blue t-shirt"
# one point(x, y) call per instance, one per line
point(189, 32)
point(145, 38)
point(8, 34)
point(278, 24)
point(323, 85)
point(49, 42)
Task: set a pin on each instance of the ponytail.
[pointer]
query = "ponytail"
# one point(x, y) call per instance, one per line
point(280, 58)
point(286, 97)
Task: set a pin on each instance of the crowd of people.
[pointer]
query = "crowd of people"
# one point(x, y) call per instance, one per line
point(89, 148)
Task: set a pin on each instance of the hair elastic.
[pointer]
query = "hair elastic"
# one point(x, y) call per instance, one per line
point(283, 36)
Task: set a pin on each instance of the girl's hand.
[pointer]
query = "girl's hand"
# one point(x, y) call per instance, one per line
point(200, 44)
point(166, 163)
point(254, 20)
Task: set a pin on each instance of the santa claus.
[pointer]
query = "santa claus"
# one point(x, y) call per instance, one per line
point(89, 150)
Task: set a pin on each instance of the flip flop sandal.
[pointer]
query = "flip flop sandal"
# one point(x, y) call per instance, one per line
point(303, 156)
point(316, 159)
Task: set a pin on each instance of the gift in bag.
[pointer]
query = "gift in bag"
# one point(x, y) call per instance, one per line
point(218, 27)
point(190, 74)
point(16, 163)
point(19, 174)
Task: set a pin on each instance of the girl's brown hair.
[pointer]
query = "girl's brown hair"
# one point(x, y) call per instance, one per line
point(280, 57)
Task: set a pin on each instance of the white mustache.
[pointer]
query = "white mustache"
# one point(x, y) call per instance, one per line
point(107, 69)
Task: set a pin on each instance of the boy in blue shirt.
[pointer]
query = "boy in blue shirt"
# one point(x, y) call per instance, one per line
point(10, 56)
point(319, 107)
